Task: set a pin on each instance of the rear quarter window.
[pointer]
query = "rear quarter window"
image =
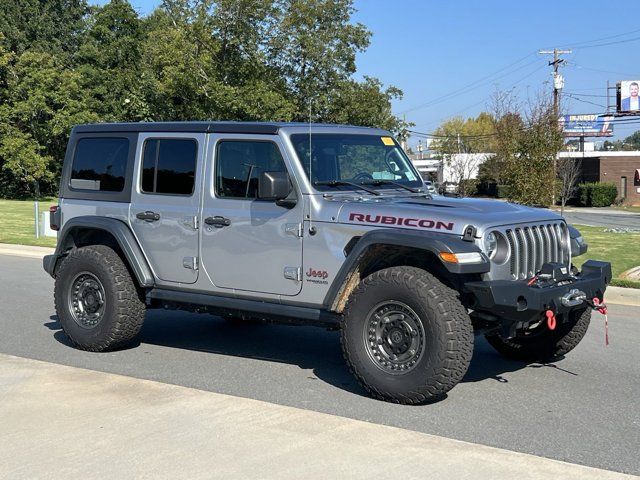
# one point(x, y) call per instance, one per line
point(100, 164)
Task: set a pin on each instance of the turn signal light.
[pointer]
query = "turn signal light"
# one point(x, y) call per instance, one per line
point(449, 257)
point(463, 258)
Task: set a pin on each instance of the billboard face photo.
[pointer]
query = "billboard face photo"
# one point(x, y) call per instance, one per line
point(629, 96)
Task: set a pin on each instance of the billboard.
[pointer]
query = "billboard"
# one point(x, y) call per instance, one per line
point(628, 96)
point(587, 125)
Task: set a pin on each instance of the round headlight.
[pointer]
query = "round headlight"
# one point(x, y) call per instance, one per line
point(490, 244)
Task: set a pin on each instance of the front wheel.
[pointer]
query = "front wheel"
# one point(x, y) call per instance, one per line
point(548, 344)
point(406, 336)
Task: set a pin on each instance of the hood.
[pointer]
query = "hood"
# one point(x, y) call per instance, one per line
point(440, 214)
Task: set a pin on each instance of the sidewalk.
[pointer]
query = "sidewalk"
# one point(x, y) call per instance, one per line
point(64, 422)
point(24, 250)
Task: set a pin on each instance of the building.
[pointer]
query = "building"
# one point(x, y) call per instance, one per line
point(459, 165)
point(621, 168)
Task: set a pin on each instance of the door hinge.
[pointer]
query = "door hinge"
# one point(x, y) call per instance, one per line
point(196, 222)
point(293, 273)
point(294, 229)
point(190, 262)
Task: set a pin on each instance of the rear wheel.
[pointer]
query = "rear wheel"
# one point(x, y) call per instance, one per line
point(406, 336)
point(98, 304)
point(546, 345)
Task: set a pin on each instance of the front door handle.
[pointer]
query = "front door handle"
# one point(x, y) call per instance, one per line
point(217, 221)
point(148, 216)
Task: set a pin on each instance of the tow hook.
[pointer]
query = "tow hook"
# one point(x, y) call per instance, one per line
point(601, 307)
point(573, 298)
point(551, 319)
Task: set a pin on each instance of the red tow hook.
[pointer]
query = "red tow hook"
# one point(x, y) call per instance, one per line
point(602, 308)
point(551, 319)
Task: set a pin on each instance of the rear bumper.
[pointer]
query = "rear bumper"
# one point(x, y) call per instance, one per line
point(517, 304)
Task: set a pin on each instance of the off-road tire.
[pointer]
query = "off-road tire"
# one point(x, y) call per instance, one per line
point(124, 307)
point(548, 344)
point(448, 335)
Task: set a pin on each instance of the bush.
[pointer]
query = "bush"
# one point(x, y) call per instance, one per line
point(597, 194)
point(468, 187)
point(503, 191)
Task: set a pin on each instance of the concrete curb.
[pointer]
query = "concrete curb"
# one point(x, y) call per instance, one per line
point(149, 430)
point(622, 296)
point(618, 295)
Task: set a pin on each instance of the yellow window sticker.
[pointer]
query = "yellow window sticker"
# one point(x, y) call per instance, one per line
point(388, 141)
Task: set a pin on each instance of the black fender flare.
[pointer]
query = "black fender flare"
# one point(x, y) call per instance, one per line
point(123, 236)
point(428, 241)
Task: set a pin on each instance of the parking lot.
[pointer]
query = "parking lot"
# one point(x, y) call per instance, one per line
point(583, 409)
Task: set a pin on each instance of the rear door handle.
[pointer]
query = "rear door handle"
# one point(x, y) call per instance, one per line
point(217, 221)
point(148, 216)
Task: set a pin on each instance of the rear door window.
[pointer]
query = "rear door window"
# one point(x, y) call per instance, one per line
point(100, 164)
point(169, 166)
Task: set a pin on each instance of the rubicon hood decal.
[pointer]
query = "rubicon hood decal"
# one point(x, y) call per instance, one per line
point(408, 222)
point(443, 215)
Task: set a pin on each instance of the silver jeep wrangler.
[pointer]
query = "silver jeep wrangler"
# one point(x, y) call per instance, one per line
point(310, 224)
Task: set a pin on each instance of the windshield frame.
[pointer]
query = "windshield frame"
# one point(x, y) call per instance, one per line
point(295, 137)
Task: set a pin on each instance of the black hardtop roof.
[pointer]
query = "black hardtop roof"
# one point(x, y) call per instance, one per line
point(264, 128)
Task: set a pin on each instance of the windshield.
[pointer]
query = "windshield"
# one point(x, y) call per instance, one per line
point(359, 159)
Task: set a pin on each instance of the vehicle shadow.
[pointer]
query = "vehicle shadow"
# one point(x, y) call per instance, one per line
point(310, 348)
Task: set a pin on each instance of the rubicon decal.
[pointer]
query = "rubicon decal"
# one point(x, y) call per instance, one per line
point(407, 222)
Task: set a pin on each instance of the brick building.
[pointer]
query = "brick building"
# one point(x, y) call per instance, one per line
point(621, 168)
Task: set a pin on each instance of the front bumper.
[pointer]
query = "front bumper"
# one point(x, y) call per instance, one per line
point(518, 305)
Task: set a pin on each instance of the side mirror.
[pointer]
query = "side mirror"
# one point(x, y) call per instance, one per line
point(273, 186)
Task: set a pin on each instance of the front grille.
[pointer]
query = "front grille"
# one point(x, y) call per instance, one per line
point(532, 246)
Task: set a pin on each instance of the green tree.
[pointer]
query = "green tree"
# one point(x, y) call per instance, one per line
point(110, 62)
point(313, 45)
point(44, 101)
point(632, 142)
point(527, 142)
point(43, 25)
point(458, 136)
point(365, 103)
point(63, 63)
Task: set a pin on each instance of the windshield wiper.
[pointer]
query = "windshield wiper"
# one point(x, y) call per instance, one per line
point(339, 183)
point(378, 182)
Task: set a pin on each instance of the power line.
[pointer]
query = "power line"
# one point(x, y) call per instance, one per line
point(635, 39)
point(485, 99)
point(584, 101)
point(580, 44)
point(585, 94)
point(479, 82)
point(582, 67)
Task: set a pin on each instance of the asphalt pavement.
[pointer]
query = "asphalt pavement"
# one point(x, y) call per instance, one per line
point(583, 409)
point(602, 217)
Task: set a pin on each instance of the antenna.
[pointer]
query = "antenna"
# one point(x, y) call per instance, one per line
point(310, 152)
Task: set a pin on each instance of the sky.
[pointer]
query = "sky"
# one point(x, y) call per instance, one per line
point(449, 57)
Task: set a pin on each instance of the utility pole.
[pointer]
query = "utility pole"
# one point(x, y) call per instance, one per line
point(558, 81)
point(558, 84)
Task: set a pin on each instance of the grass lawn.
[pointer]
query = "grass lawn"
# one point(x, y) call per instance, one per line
point(18, 222)
point(621, 249)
